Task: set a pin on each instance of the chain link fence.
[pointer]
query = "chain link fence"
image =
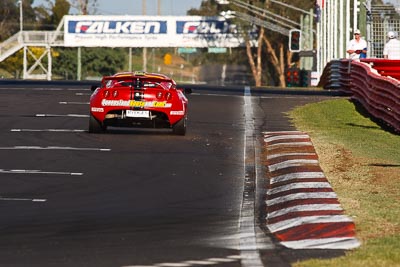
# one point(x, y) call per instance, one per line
point(385, 18)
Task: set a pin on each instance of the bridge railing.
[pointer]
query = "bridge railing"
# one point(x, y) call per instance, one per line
point(365, 81)
point(30, 38)
point(42, 38)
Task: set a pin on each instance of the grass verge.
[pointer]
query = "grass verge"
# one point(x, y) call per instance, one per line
point(362, 163)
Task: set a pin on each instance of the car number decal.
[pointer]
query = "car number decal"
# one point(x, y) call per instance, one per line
point(138, 113)
point(178, 112)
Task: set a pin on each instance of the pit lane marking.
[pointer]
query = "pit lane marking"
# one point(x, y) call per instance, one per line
point(55, 148)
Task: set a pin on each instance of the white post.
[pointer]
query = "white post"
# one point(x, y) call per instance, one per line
point(319, 57)
point(347, 23)
point(335, 31)
point(329, 31)
point(342, 29)
point(79, 67)
point(49, 63)
point(323, 37)
point(355, 12)
point(25, 63)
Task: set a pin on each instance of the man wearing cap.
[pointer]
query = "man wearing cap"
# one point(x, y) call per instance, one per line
point(391, 49)
point(357, 47)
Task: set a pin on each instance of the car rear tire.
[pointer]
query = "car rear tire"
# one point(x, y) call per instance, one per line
point(180, 127)
point(95, 126)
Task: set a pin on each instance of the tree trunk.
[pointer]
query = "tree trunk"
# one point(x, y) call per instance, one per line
point(256, 64)
point(279, 64)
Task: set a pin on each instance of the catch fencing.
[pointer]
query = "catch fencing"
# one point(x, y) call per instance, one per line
point(380, 29)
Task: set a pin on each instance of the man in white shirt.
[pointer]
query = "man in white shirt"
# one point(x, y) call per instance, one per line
point(391, 49)
point(357, 47)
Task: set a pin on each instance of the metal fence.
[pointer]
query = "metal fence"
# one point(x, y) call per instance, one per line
point(384, 19)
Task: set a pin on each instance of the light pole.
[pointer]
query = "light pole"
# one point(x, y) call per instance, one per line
point(21, 16)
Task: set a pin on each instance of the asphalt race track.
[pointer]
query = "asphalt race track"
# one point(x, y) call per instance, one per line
point(137, 197)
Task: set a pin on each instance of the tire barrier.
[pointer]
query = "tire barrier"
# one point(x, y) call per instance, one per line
point(374, 83)
point(303, 211)
point(335, 76)
point(330, 78)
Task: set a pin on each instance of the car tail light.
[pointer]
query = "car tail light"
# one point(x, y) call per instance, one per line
point(115, 93)
point(168, 96)
point(106, 93)
point(159, 95)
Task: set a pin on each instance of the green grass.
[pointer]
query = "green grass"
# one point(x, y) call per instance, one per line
point(362, 162)
point(339, 120)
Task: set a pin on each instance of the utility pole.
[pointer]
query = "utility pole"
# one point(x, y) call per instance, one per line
point(21, 16)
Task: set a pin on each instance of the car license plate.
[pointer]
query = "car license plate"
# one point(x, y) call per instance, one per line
point(138, 113)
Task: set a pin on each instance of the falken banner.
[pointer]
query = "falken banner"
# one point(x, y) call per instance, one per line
point(151, 31)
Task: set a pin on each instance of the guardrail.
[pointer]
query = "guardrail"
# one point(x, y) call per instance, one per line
point(365, 80)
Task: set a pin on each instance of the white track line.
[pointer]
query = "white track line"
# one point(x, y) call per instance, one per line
point(39, 172)
point(62, 115)
point(54, 148)
point(49, 130)
point(73, 103)
point(23, 199)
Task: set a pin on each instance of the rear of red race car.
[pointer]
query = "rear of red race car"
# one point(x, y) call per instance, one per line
point(138, 100)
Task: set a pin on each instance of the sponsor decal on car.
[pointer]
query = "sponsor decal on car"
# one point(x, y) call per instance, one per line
point(93, 109)
point(136, 104)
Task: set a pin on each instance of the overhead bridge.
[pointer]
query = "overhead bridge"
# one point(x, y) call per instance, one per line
point(26, 40)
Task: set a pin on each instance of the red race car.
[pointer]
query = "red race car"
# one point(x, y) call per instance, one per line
point(138, 99)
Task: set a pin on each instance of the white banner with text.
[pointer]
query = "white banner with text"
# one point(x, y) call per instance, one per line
point(152, 31)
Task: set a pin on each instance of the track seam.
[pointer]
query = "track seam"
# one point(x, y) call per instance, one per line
point(250, 256)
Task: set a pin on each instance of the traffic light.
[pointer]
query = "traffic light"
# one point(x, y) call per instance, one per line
point(288, 78)
point(292, 77)
point(294, 40)
point(305, 78)
point(296, 77)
